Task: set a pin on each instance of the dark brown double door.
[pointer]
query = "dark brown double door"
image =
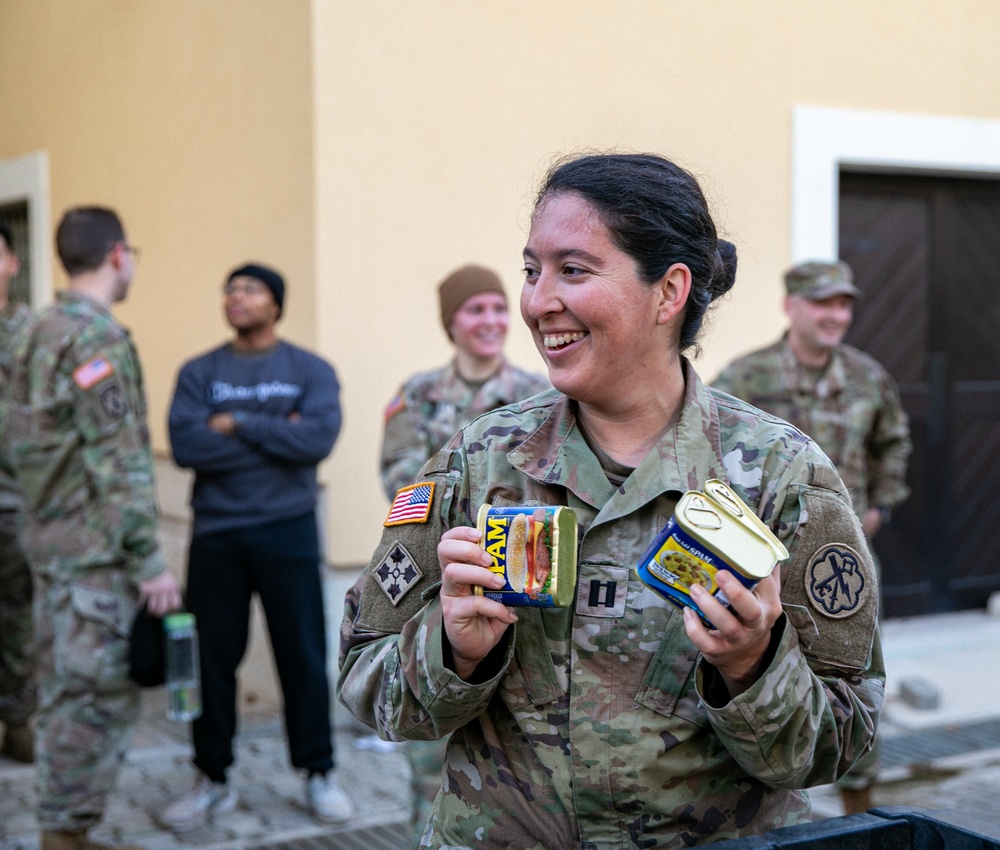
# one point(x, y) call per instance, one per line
point(926, 252)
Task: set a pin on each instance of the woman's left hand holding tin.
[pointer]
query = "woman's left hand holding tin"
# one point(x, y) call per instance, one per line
point(473, 624)
point(738, 644)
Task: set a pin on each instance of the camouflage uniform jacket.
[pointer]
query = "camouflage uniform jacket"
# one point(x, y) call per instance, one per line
point(78, 440)
point(598, 726)
point(11, 319)
point(429, 408)
point(853, 411)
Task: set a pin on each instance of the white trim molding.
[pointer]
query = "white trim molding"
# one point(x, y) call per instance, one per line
point(824, 140)
point(26, 178)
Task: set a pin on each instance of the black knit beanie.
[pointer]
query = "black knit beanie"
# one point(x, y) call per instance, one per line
point(269, 277)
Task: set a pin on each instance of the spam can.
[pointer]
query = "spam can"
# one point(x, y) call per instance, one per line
point(711, 530)
point(534, 549)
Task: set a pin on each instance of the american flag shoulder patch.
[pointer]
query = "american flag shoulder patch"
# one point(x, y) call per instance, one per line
point(412, 504)
point(395, 406)
point(92, 372)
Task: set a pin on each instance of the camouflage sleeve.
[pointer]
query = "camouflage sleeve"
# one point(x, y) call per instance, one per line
point(116, 454)
point(813, 712)
point(405, 444)
point(394, 674)
point(889, 450)
point(82, 448)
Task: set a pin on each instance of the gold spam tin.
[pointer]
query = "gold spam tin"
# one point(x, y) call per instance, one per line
point(711, 530)
point(534, 548)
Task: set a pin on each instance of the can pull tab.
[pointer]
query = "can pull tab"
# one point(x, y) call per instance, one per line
point(725, 498)
point(701, 514)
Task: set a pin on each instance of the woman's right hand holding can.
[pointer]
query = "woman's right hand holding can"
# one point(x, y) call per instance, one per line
point(473, 624)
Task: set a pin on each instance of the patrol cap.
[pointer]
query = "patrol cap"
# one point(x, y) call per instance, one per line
point(817, 280)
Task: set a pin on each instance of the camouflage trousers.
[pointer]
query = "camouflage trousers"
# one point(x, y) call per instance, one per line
point(87, 703)
point(18, 696)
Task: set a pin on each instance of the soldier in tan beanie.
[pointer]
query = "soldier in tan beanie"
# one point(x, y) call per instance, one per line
point(432, 406)
point(463, 284)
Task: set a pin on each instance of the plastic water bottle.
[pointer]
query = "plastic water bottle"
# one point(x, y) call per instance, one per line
point(183, 669)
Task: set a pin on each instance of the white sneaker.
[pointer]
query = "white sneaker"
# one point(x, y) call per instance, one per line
point(326, 800)
point(194, 809)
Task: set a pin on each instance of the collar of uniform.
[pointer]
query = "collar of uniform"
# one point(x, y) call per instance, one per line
point(797, 379)
point(81, 299)
point(686, 456)
point(556, 453)
point(453, 389)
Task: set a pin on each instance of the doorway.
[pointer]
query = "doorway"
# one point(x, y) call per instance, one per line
point(926, 252)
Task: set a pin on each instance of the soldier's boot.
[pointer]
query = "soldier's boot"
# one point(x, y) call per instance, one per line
point(52, 840)
point(19, 743)
point(856, 800)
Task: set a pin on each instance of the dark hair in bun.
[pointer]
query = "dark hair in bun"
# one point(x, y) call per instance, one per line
point(656, 213)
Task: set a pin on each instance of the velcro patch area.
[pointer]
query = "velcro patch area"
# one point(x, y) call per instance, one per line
point(830, 575)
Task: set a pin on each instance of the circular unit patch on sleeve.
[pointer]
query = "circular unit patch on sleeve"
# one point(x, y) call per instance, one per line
point(836, 581)
point(113, 401)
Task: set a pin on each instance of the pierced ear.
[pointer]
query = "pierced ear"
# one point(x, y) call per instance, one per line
point(675, 286)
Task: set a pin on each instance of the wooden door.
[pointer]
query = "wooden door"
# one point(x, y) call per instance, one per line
point(926, 253)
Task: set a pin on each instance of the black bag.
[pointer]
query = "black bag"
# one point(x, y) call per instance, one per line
point(147, 662)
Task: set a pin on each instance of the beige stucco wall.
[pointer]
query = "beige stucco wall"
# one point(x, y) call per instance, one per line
point(193, 119)
point(435, 121)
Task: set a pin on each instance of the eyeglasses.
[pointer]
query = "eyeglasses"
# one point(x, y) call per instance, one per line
point(251, 287)
point(131, 249)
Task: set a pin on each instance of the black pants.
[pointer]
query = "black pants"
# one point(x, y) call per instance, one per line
point(280, 562)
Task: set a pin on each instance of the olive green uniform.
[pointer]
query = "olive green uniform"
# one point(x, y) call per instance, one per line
point(599, 725)
point(78, 441)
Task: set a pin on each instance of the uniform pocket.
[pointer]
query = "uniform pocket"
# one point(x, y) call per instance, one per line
point(93, 649)
point(669, 685)
point(533, 678)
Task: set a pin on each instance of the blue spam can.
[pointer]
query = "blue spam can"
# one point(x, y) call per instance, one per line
point(711, 530)
point(534, 549)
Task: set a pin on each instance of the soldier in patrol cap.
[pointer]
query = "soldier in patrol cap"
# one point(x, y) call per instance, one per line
point(18, 696)
point(79, 445)
point(620, 721)
point(842, 398)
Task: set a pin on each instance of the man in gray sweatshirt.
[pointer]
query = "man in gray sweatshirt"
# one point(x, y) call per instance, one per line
point(253, 418)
